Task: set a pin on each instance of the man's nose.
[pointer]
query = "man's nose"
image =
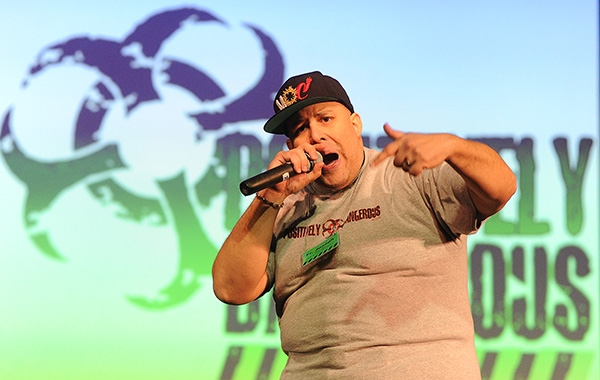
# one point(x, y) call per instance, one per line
point(316, 133)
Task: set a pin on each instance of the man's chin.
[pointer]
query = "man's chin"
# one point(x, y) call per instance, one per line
point(329, 182)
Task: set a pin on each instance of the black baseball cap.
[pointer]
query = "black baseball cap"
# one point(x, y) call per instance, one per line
point(301, 91)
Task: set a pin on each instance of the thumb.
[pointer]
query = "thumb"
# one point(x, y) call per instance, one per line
point(393, 134)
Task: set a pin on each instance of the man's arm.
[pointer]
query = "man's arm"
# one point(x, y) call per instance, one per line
point(490, 181)
point(239, 270)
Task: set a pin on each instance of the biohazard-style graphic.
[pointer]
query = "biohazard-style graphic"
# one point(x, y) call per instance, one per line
point(132, 78)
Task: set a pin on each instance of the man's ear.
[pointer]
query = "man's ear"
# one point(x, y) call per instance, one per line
point(356, 123)
point(288, 142)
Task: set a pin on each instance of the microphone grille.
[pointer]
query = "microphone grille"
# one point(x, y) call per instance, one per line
point(311, 163)
point(319, 158)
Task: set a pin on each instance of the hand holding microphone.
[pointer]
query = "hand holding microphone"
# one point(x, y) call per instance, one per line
point(273, 176)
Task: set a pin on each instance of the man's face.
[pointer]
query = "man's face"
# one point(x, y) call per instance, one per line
point(335, 133)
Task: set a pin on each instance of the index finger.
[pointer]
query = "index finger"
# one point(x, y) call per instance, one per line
point(389, 150)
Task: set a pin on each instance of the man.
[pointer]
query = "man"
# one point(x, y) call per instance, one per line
point(366, 252)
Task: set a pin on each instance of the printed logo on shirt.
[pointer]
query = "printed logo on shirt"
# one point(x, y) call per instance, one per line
point(331, 226)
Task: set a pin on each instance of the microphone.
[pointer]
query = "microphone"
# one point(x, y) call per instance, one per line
point(273, 176)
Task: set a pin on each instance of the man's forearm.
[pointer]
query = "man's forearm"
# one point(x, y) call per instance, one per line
point(490, 181)
point(239, 270)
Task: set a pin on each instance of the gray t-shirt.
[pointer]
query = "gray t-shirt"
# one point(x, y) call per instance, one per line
point(371, 282)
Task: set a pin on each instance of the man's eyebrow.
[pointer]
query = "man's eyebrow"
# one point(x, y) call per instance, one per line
point(327, 110)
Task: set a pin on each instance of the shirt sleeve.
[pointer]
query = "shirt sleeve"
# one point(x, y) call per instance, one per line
point(449, 198)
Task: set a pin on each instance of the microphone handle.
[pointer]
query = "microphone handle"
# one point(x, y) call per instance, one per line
point(267, 179)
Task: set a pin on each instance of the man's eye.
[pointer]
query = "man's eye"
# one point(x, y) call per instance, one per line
point(299, 130)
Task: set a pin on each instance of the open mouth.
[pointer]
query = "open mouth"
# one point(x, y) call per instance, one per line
point(329, 158)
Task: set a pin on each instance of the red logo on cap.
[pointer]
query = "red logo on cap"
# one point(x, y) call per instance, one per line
point(302, 89)
point(291, 95)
